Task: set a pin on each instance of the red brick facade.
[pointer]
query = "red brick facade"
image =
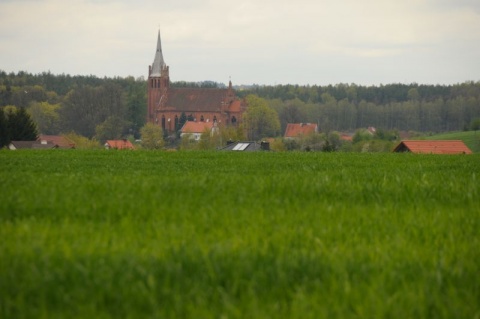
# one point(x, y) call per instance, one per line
point(166, 104)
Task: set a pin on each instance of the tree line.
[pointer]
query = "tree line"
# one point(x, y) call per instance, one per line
point(348, 107)
point(110, 108)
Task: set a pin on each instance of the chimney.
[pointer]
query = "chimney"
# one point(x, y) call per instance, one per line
point(265, 146)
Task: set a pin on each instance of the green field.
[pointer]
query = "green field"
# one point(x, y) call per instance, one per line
point(470, 138)
point(112, 234)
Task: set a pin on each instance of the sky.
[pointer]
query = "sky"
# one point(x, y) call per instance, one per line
point(266, 42)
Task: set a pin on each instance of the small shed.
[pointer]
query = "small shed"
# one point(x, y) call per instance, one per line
point(119, 145)
point(433, 147)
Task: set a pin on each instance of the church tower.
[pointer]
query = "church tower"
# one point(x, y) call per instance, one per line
point(158, 82)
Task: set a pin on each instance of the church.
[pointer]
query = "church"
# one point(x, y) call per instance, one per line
point(166, 104)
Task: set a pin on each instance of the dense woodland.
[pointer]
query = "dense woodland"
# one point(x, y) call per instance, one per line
point(115, 107)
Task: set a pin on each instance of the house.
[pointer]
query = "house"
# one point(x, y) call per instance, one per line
point(38, 145)
point(57, 140)
point(119, 145)
point(346, 137)
point(196, 129)
point(433, 147)
point(247, 146)
point(295, 130)
point(166, 104)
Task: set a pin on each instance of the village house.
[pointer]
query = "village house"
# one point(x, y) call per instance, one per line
point(195, 129)
point(296, 130)
point(37, 145)
point(247, 146)
point(119, 145)
point(433, 147)
point(58, 140)
point(166, 104)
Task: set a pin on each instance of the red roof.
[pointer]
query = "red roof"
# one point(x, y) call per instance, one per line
point(119, 144)
point(433, 147)
point(297, 129)
point(58, 140)
point(346, 137)
point(196, 127)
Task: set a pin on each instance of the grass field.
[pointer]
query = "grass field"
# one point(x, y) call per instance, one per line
point(470, 138)
point(112, 234)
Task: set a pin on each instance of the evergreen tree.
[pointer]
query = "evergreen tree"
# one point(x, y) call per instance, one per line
point(21, 126)
point(4, 139)
point(182, 121)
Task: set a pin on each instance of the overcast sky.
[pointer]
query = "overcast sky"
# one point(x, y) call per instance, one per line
point(252, 41)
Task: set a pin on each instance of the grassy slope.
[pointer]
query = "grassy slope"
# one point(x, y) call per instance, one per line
point(205, 235)
point(470, 138)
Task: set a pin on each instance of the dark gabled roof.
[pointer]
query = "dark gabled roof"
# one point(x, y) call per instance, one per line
point(58, 140)
point(433, 147)
point(15, 145)
point(196, 99)
point(243, 146)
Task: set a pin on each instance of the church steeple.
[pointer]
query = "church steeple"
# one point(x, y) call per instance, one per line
point(158, 62)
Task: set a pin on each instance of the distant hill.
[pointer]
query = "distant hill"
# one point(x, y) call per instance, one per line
point(470, 138)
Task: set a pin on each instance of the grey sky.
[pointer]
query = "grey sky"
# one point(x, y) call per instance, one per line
point(253, 41)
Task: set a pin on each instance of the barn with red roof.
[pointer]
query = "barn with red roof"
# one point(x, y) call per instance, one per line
point(433, 147)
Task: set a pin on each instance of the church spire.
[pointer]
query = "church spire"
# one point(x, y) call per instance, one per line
point(158, 62)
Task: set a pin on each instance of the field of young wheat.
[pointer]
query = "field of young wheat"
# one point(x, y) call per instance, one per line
point(112, 234)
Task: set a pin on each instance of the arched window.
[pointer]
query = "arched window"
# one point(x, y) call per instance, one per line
point(214, 118)
point(176, 123)
point(234, 120)
point(163, 122)
point(201, 118)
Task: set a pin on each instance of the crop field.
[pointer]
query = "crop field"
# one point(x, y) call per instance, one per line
point(119, 234)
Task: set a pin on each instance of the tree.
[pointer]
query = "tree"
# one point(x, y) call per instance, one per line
point(46, 116)
point(475, 124)
point(20, 126)
point(152, 136)
point(181, 121)
point(136, 105)
point(86, 107)
point(260, 120)
point(82, 142)
point(4, 140)
point(111, 129)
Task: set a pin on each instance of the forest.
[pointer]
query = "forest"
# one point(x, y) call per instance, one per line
point(115, 107)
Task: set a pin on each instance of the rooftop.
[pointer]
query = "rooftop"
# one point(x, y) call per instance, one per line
point(433, 147)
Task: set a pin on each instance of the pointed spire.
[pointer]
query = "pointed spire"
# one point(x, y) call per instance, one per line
point(158, 62)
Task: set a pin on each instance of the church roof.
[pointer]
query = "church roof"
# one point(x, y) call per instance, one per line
point(196, 99)
point(158, 62)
